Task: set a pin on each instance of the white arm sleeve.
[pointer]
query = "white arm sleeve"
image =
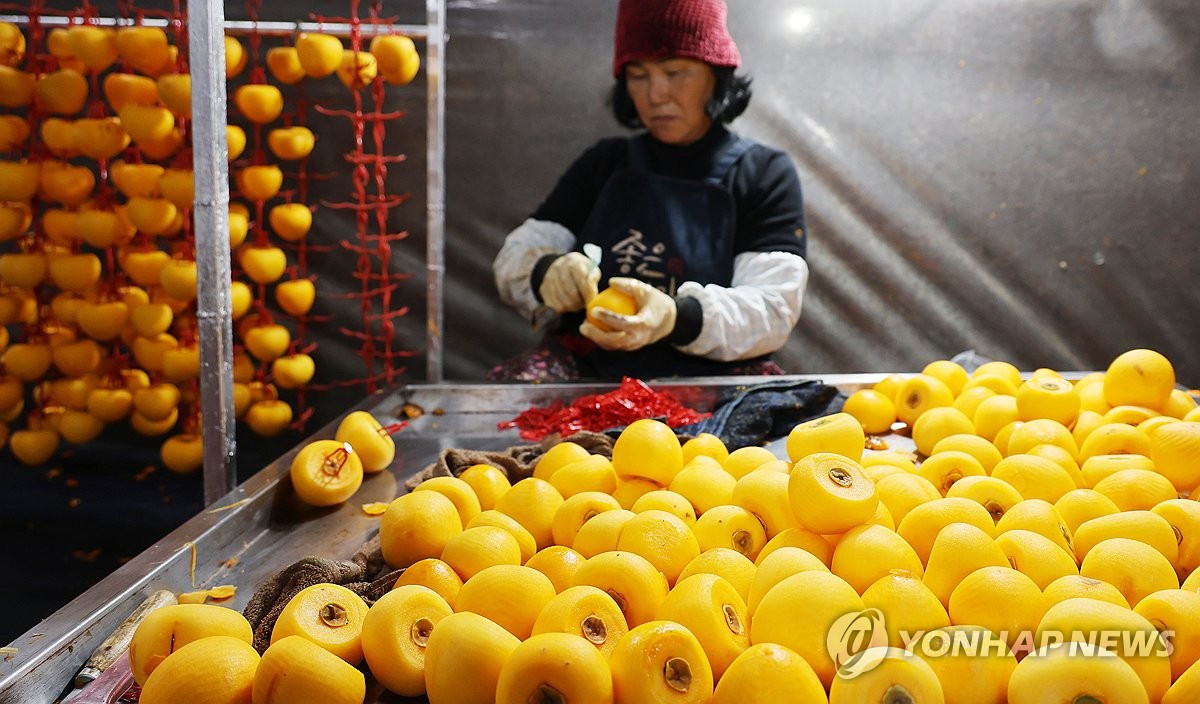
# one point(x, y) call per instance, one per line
point(523, 247)
point(756, 313)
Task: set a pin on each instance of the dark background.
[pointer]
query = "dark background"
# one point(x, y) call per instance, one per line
point(1015, 178)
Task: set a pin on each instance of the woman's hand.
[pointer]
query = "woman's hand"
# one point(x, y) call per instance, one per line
point(654, 320)
point(570, 282)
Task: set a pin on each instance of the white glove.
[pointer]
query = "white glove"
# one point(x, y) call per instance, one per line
point(570, 282)
point(654, 320)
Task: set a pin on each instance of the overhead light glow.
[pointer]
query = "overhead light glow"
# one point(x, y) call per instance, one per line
point(799, 20)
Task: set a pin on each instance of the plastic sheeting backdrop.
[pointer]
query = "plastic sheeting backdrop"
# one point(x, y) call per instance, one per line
point(1017, 178)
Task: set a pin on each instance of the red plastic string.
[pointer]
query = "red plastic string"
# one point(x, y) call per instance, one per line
point(372, 244)
point(632, 400)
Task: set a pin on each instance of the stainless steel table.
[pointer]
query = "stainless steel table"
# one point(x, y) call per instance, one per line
point(261, 526)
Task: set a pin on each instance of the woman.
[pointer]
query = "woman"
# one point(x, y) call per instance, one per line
point(702, 228)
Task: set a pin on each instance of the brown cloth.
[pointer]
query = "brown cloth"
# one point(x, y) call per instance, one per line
point(365, 573)
point(517, 461)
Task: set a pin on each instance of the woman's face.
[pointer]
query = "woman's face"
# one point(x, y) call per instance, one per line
point(670, 96)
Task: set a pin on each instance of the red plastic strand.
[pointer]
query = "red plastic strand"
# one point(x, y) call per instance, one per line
point(632, 400)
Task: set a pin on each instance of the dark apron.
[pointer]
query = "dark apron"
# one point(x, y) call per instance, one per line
point(663, 231)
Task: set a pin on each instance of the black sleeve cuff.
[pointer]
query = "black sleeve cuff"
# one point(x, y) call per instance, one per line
point(539, 273)
point(689, 317)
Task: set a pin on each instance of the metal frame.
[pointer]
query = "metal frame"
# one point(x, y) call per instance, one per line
point(206, 26)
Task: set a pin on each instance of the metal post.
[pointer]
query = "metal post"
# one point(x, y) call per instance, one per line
point(435, 186)
point(210, 162)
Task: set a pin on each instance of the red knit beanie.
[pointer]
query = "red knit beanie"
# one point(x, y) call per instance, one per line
point(660, 29)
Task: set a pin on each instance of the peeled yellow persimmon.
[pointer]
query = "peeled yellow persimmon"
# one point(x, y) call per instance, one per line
point(15, 219)
point(1077, 620)
point(559, 563)
point(840, 433)
point(100, 137)
point(268, 417)
point(319, 54)
point(147, 124)
point(294, 670)
point(704, 484)
point(260, 103)
point(235, 141)
point(648, 448)
point(178, 279)
point(714, 612)
point(395, 634)
point(177, 186)
point(459, 492)
point(152, 216)
point(145, 49)
point(918, 394)
point(260, 182)
point(496, 519)
point(59, 136)
point(398, 58)
point(586, 612)
point(33, 446)
point(110, 404)
point(371, 441)
point(125, 89)
point(555, 667)
point(290, 143)
point(76, 358)
point(16, 87)
point(1071, 672)
point(475, 549)
point(62, 92)
point(12, 44)
point(533, 503)
point(509, 595)
point(296, 296)
point(169, 628)
point(488, 482)
point(766, 673)
point(417, 526)
point(326, 472)
point(95, 46)
point(631, 580)
point(463, 658)
point(558, 456)
point(830, 493)
point(873, 410)
point(357, 68)
point(663, 661)
point(136, 180)
point(183, 453)
point(630, 489)
point(19, 179)
point(151, 319)
point(284, 64)
point(292, 371)
point(290, 221)
point(728, 564)
point(435, 575)
point(610, 299)
point(1139, 377)
point(267, 342)
point(217, 669)
point(893, 673)
point(329, 615)
point(662, 539)
point(181, 363)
